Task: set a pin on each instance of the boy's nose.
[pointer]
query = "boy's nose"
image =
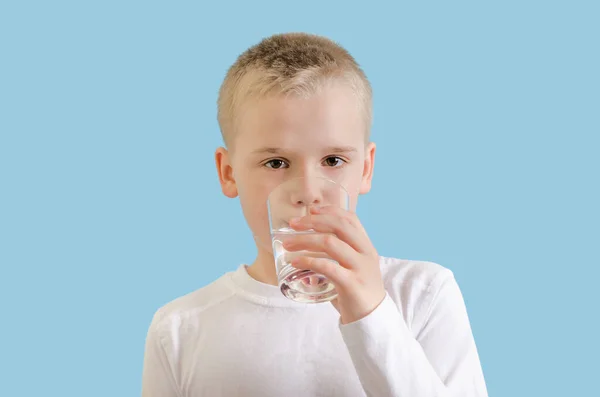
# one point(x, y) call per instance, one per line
point(308, 194)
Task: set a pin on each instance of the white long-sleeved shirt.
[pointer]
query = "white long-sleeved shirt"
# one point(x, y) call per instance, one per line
point(240, 337)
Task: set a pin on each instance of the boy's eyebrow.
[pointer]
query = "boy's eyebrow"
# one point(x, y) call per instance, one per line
point(272, 150)
point(341, 149)
point(331, 149)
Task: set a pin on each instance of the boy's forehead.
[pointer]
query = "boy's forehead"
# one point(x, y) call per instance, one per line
point(330, 119)
point(290, 137)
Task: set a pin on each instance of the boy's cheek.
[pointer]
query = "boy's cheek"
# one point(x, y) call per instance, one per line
point(257, 217)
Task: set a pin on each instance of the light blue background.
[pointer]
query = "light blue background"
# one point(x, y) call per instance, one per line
point(486, 120)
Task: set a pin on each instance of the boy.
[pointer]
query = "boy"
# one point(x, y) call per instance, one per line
point(299, 105)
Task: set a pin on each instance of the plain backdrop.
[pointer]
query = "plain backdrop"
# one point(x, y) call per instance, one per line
point(487, 124)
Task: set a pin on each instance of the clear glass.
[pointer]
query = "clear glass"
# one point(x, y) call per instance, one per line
point(294, 198)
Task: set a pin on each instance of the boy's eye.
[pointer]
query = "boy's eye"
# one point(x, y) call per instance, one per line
point(333, 161)
point(276, 164)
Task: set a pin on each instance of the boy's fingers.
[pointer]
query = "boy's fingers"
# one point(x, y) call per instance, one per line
point(342, 227)
point(336, 220)
point(328, 268)
point(335, 210)
point(328, 243)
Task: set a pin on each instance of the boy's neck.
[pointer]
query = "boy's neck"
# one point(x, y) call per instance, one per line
point(263, 268)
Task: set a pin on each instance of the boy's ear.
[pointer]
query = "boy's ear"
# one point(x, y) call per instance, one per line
point(367, 176)
point(225, 172)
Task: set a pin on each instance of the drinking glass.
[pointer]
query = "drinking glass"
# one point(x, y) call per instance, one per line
point(294, 198)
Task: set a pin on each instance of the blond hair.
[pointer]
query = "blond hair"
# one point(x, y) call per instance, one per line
point(290, 63)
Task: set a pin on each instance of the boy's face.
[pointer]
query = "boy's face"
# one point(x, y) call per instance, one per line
point(279, 138)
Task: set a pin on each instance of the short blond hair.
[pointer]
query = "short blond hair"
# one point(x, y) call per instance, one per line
point(289, 63)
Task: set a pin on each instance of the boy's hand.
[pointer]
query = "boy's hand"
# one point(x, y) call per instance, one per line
point(357, 277)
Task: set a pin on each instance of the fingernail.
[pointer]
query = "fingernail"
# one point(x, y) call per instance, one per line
point(295, 220)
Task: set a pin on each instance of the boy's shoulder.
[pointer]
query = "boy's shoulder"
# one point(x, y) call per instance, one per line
point(414, 286)
point(418, 274)
point(194, 303)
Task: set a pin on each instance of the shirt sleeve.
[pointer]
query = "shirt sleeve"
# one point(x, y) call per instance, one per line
point(441, 361)
point(158, 378)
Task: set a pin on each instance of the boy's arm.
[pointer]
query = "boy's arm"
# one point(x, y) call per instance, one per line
point(158, 378)
point(441, 362)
